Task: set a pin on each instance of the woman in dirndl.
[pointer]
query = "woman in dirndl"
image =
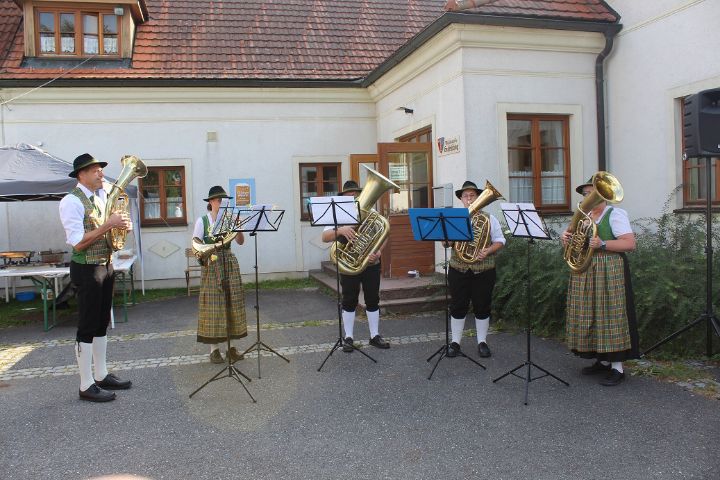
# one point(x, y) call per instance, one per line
point(212, 324)
point(601, 321)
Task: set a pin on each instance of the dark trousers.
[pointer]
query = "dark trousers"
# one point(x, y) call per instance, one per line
point(370, 281)
point(94, 293)
point(467, 286)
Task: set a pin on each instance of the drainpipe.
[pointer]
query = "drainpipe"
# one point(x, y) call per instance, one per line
point(600, 98)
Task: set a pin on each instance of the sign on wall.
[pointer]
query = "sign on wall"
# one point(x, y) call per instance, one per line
point(448, 145)
point(243, 191)
point(398, 172)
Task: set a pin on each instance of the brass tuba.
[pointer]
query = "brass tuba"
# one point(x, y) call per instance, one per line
point(206, 251)
point(352, 257)
point(117, 199)
point(468, 251)
point(578, 253)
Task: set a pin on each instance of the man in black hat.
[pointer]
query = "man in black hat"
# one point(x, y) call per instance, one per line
point(369, 279)
point(473, 281)
point(82, 213)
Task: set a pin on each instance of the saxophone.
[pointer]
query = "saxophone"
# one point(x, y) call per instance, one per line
point(117, 199)
point(468, 251)
point(578, 253)
point(352, 257)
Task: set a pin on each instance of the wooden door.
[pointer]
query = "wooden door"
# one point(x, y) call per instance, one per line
point(409, 165)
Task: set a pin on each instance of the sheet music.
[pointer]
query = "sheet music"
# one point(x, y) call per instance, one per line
point(257, 218)
point(223, 222)
point(346, 210)
point(516, 224)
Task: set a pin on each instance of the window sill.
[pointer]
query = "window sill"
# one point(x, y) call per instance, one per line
point(563, 213)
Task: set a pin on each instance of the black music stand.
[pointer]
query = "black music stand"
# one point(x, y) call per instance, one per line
point(708, 316)
point(443, 225)
point(224, 224)
point(336, 212)
point(259, 219)
point(524, 221)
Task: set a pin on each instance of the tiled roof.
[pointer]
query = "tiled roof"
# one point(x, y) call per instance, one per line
point(273, 39)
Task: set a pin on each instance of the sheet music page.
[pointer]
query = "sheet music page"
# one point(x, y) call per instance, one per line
point(511, 212)
point(223, 221)
point(260, 220)
point(346, 210)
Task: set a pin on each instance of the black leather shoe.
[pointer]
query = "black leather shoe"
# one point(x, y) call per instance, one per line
point(112, 382)
point(96, 394)
point(377, 341)
point(348, 345)
point(613, 378)
point(483, 350)
point(453, 350)
point(595, 368)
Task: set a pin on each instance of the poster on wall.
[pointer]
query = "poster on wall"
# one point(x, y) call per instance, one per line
point(243, 191)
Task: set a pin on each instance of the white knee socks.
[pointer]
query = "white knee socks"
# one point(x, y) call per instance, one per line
point(373, 322)
point(99, 353)
point(348, 323)
point(214, 346)
point(482, 326)
point(83, 355)
point(617, 366)
point(456, 329)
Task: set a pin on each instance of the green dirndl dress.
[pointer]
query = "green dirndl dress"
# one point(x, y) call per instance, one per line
point(601, 319)
point(212, 325)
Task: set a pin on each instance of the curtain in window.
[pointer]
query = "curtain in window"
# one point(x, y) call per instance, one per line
point(521, 187)
point(47, 44)
point(90, 45)
point(110, 45)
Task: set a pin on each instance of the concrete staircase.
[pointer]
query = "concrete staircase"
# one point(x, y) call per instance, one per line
point(398, 296)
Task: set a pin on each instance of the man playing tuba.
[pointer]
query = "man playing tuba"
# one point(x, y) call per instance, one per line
point(83, 215)
point(473, 278)
point(369, 278)
point(601, 320)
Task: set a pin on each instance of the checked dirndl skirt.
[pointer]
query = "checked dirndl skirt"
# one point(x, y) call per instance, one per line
point(211, 317)
point(601, 312)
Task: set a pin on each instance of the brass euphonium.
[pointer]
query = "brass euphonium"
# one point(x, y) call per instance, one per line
point(117, 199)
point(578, 253)
point(352, 257)
point(468, 251)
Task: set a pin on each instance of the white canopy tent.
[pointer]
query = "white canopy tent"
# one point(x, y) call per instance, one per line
point(28, 173)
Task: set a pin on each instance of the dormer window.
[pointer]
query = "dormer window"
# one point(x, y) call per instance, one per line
point(79, 32)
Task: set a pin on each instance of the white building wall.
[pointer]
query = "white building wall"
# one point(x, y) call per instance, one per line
point(666, 50)
point(261, 134)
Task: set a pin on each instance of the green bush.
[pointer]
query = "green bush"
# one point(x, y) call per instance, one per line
point(668, 275)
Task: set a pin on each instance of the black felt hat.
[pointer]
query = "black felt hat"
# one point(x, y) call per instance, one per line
point(84, 160)
point(589, 183)
point(350, 186)
point(216, 192)
point(468, 185)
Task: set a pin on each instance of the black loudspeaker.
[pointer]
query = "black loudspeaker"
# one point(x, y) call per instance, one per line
point(701, 124)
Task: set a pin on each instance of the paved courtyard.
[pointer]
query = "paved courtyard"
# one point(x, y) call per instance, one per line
point(353, 419)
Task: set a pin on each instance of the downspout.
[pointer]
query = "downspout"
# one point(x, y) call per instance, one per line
point(600, 98)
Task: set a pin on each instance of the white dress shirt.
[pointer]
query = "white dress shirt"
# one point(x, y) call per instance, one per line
point(72, 213)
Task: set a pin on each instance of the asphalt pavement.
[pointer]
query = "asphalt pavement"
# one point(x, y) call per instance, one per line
point(354, 419)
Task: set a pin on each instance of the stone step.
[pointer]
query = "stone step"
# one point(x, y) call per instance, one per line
point(397, 296)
